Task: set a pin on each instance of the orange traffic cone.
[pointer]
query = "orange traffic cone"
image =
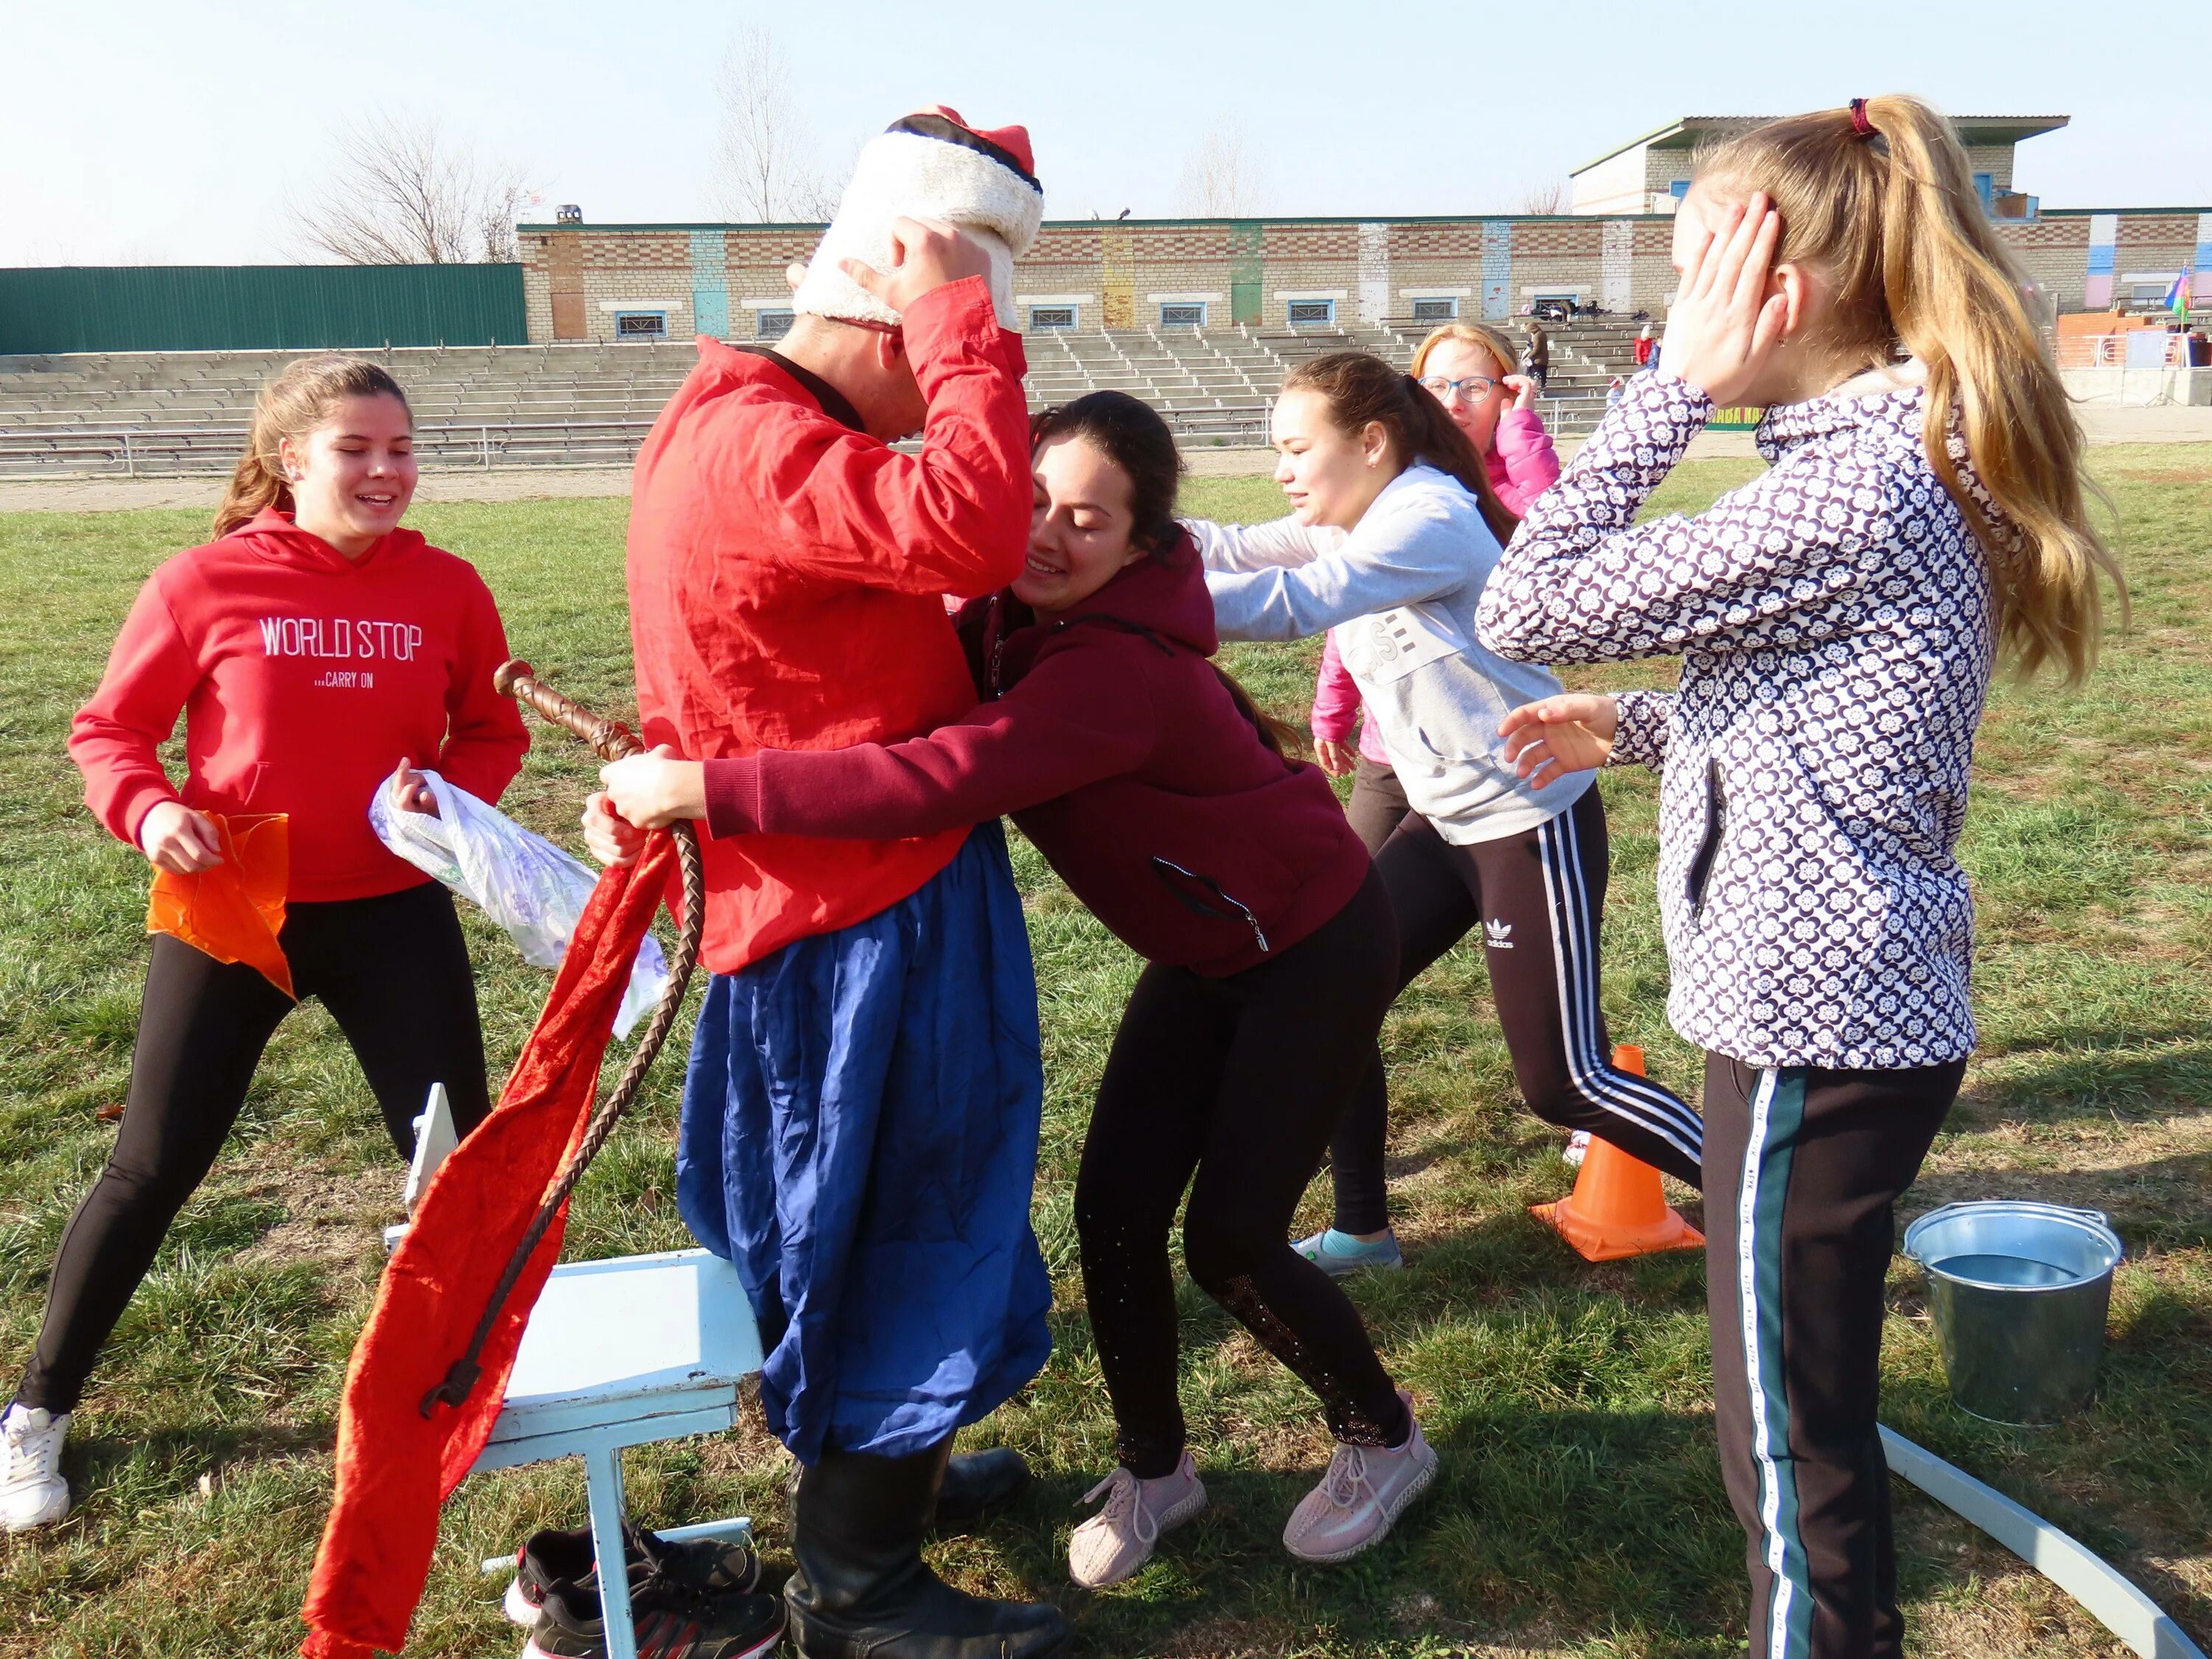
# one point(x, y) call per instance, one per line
point(1617, 1209)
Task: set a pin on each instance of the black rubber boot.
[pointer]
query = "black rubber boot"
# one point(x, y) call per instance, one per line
point(862, 1591)
point(977, 1486)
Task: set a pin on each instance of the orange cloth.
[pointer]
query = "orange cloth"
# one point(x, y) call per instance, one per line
point(235, 911)
point(395, 1466)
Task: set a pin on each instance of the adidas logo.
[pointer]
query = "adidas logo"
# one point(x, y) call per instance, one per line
point(1499, 935)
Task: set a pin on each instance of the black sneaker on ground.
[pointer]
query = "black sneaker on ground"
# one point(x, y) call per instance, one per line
point(709, 1566)
point(671, 1623)
point(978, 1486)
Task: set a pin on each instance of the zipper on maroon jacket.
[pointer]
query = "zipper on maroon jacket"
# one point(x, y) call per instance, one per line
point(1237, 909)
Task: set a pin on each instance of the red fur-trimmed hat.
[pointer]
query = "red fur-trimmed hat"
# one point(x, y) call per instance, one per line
point(930, 165)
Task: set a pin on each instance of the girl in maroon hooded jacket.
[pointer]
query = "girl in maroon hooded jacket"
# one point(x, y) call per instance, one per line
point(1164, 800)
point(315, 649)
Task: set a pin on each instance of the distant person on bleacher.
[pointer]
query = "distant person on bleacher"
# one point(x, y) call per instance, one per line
point(316, 649)
point(1536, 356)
point(1647, 347)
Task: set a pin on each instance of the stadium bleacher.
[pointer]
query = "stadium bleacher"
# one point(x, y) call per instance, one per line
point(590, 404)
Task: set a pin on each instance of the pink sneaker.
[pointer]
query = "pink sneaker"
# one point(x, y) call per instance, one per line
point(1365, 1490)
point(1117, 1541)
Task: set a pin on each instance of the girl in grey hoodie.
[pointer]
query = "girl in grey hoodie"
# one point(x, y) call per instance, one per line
point(1394, 532)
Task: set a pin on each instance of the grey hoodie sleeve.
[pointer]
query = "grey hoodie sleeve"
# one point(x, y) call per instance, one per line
point(1403, 554)
point(1260, 546)
point(1777, 561)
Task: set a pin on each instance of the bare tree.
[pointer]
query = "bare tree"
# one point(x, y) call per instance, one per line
point(765, 165)
point(1219, 180)
point(1549, 197)
point(404, 193)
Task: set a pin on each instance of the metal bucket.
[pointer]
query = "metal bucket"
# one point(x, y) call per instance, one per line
point(2019, 1293)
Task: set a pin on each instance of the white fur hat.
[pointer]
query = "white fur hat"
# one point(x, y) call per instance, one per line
point(932, 165)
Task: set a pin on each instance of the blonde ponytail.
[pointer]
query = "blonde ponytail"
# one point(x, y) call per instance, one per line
point(1884, 207)
point(296, 403)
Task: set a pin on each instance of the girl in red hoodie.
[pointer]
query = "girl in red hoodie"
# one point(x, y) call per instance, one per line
point(1164, 800)
point(313, 647)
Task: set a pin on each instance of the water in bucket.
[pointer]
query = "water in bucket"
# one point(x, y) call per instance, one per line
point(2012, 1272)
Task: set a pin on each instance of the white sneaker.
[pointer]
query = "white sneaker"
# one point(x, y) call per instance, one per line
point(1117, 1541)
point(32, 1491)
point(1365, 1490)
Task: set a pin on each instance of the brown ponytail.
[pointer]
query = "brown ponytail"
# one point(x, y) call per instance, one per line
point(1361, 389)
point(1881, 199)
point(292, 406)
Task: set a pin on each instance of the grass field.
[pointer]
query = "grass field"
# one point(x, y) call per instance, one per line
point(1580, 1510)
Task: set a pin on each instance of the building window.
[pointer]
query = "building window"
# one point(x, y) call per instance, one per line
point(640, 324)
point(1435, 311)
point(773, 324)
point(1051, 317)
point(1183, 314)
point(1679, 189)
point(1312, 313)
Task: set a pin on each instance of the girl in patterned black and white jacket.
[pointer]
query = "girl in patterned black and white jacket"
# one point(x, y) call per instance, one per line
point(1838, 619)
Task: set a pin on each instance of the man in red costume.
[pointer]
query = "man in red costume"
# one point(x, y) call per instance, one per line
point(861, 1111)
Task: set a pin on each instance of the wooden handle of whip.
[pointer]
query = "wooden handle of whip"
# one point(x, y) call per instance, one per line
point(609, 739)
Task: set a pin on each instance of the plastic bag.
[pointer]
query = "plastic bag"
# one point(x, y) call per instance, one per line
point(234, 911)
point(522, 881)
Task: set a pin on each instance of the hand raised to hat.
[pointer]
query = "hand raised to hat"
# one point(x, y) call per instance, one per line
point(925, 254)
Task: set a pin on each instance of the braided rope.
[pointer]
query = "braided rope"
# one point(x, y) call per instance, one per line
point(611, 740)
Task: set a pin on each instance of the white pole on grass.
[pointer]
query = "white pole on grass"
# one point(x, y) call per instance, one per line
point(2110, 1599)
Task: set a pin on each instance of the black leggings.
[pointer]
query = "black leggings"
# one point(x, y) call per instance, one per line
point(1538, 897)
point(1804, 1167)
point(394, 971)
point(1378, 803)
point(1240, 1080)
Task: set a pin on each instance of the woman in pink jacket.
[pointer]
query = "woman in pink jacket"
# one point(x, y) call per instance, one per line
point(1466, 368)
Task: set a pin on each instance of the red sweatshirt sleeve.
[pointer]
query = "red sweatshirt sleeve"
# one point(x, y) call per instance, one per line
point(115, 737)
point(1071, 720)
point(954, 518)
point(1336, 697)
point(485, 738)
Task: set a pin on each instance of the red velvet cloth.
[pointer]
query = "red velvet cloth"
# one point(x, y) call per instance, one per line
point(395, 1466)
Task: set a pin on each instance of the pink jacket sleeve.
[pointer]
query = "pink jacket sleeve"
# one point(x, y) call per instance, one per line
point(1336, 698)
point(1528, 465)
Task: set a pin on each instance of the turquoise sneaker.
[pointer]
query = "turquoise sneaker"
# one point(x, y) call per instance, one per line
point(1340, 1255)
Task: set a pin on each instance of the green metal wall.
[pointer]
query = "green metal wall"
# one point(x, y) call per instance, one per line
point(249, 308)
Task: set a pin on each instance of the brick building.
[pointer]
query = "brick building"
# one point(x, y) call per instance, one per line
point(657, 282)
point(615, 282)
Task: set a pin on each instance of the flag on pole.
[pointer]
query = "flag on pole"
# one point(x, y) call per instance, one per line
point(2177, 298)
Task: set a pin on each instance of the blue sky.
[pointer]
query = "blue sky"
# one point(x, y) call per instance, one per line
point(177, 132)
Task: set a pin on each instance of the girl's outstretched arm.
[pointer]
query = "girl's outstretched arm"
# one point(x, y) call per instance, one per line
point(1260, 546)
point(1780, 559)
point(1417, 554)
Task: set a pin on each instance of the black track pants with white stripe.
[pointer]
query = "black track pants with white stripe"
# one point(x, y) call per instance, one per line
point(1803, 1167)
point(1535, 900)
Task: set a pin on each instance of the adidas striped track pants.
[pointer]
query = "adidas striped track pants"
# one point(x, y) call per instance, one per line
point(1535, 901)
